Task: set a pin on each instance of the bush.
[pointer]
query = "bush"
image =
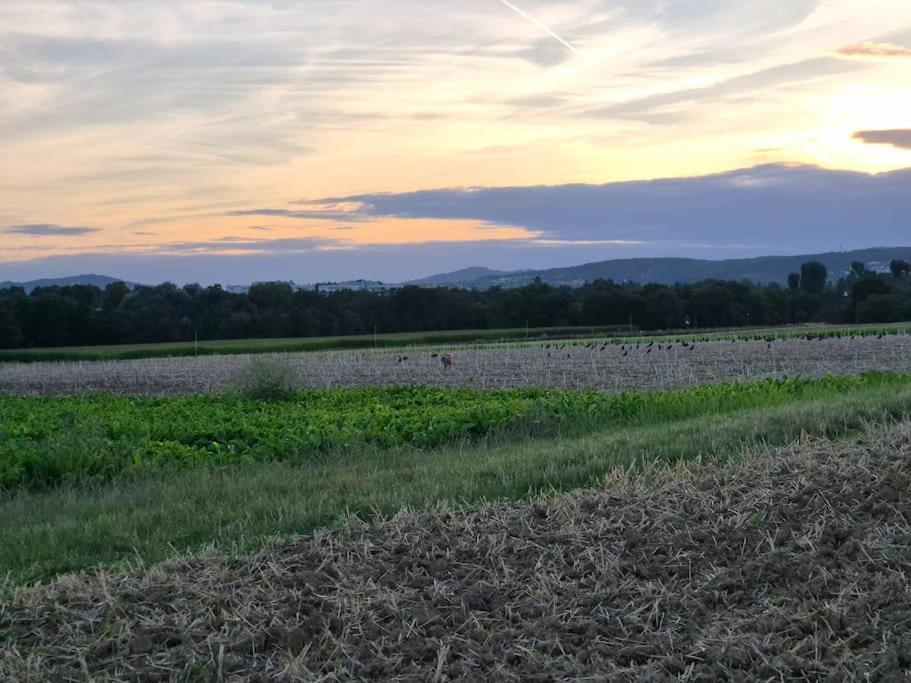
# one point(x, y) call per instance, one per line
point(881, 308)
point(268, 379)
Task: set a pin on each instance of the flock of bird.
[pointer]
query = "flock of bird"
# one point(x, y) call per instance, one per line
point(446, 359)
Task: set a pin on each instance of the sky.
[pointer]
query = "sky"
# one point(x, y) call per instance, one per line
point(322, 140)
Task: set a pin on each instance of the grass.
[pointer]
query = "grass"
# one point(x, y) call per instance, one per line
point(618, 334)
point(150, 517)
point(289, 345)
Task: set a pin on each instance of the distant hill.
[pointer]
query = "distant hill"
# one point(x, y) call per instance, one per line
point(100, 281)
point(458, 277)
point(760, 270)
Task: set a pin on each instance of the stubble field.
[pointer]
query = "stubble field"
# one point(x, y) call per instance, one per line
point(792, 565)
point(596, 364)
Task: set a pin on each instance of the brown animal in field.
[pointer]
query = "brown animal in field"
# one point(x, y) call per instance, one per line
point(446, 360)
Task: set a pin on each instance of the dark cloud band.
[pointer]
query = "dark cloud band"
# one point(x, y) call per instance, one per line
point(899, 137)
point(49, 230)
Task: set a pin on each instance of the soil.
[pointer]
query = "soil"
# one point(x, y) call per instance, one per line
point(790, 565)
point(604, 367)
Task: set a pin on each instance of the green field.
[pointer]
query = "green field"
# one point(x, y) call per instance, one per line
point(47, 441)
point(115, 479)
point(243, 346)
point(539, 335)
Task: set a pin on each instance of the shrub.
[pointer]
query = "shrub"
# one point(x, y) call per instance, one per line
point(268, 379)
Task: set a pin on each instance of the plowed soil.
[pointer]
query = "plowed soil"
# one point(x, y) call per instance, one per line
point(791, 565)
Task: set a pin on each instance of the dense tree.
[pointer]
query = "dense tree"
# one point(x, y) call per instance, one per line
point(870, 286)
point(882, 308)
point(858, 270)
point(86, 315)
point(113, 296)
point(813, 277)
point(899, 268)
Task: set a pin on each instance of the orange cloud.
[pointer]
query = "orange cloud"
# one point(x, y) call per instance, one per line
point(871, 50)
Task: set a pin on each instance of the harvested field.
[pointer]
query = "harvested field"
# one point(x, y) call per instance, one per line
point(791, 565)
point(594, 365)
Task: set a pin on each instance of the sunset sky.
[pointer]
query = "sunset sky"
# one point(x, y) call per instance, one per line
point(239, 140)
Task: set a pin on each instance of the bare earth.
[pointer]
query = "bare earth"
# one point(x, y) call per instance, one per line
point(792, 565)
point(614, 368)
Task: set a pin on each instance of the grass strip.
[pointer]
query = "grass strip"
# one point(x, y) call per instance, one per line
point(150, 518)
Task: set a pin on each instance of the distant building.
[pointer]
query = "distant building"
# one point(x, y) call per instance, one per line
point(354, 286)
point(325, 287)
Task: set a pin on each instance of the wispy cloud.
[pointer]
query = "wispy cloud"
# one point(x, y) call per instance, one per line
point(872, 50)
point(49, 230)
point(541, 25)
point(899, 137)
point(318, 214)
point(162, 115)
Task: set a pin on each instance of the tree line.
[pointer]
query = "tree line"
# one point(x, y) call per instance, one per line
point(80, 315)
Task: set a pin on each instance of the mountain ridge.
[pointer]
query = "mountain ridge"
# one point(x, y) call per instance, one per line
point(642, 270)
point(671, 270)
point(100, 281)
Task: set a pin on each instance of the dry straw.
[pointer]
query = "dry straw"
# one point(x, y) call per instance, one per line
point(792, 565)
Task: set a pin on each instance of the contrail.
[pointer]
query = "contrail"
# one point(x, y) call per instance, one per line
point(537, 23)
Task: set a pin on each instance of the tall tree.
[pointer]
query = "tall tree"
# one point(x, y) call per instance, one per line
point(858, 270)
point(813, 277)
point(900, 268)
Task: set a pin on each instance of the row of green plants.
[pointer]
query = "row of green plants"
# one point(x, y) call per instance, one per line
point(605, 334)
point(256, 346)
point(49, 441)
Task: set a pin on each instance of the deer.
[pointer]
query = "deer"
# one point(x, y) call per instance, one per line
point(446, 360)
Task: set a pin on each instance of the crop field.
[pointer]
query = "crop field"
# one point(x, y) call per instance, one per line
point(250, 346)
point(598, 364)
point(789, 565)
point(691, 507)
point(48, 441)
point(612, 333)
